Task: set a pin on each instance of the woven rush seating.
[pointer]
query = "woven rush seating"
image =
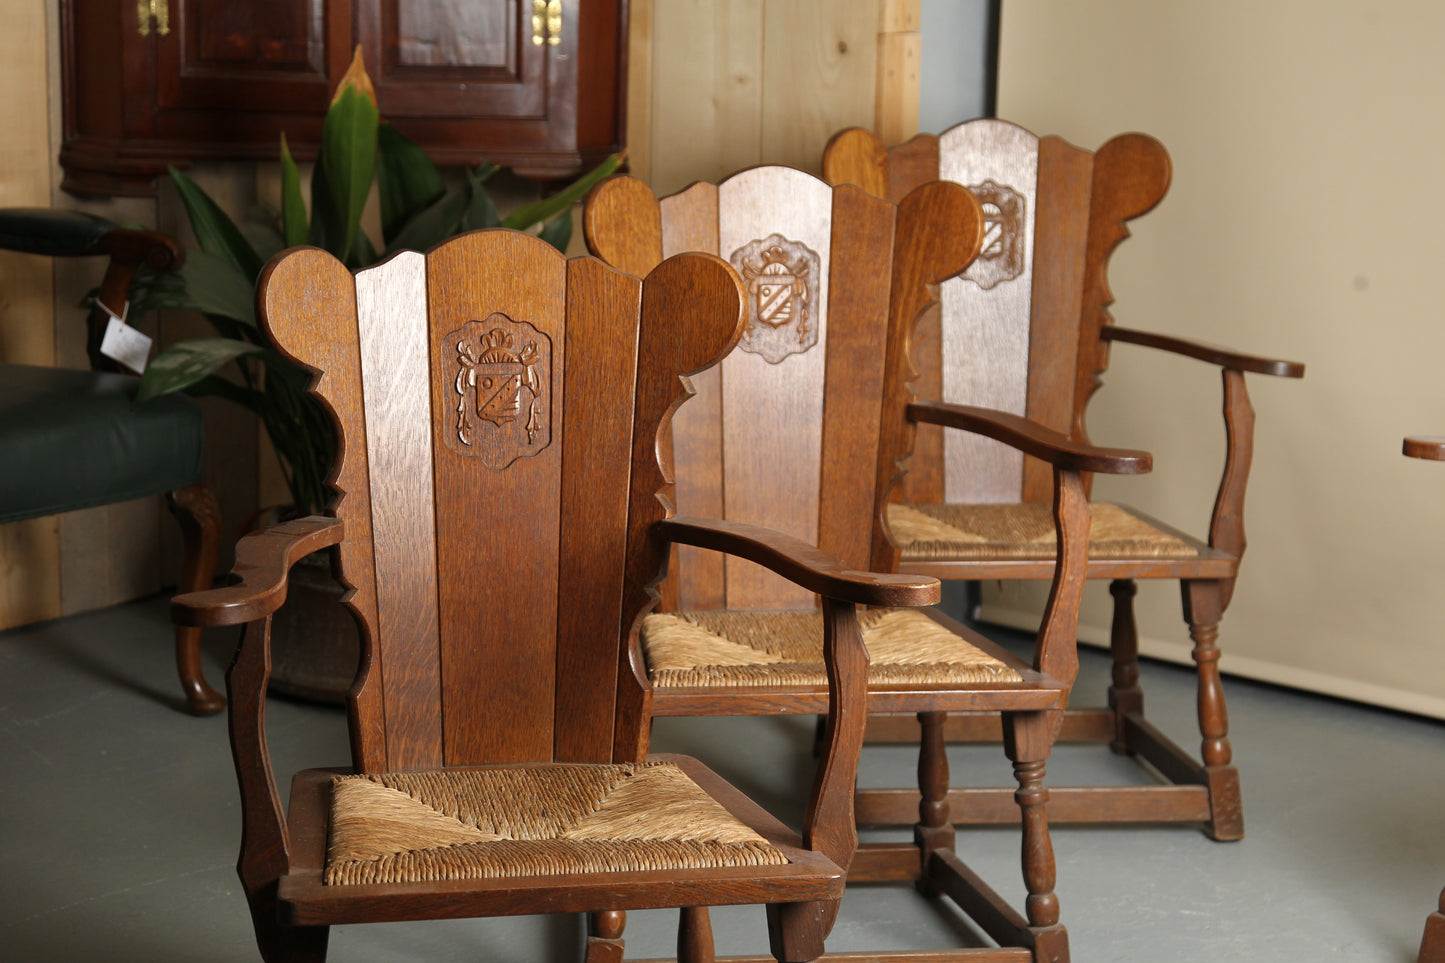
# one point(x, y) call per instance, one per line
point(491, 823)
point(932, 531)
point(726, 648)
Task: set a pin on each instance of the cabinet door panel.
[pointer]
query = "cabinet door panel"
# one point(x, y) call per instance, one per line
point(224, 55)
point(455, 58)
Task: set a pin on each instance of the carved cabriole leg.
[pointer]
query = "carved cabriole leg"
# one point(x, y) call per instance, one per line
point(195, 508)
point(934, 830)
point(694, 936)
point(1203, 606)
point(264, 844)
point(1125, 696)
point(1028, 737)
point(604, 936)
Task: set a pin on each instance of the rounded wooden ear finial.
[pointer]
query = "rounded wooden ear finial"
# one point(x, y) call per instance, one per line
point(701, 298)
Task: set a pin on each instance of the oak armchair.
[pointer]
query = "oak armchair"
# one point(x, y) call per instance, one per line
point(1026, 329)
point(501, 524)
point(788, 432)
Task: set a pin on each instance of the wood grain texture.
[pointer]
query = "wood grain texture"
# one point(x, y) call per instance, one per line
point(772, 411)
point(940, 229)
point(1060, 230)
point(1131, 176)
point(819, 69)
point(1213, 354)
point(493, 650)
point(857, 156)
point(985, 331)
point(692, 315)
point(707, 90)
point(602, 307)
point(1051, 447)
point(307, 304)
point(391, 315)
point(1431, 447)
point(853, 385)
point(690, 223)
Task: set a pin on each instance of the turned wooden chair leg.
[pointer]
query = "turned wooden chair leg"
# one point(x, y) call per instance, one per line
point(1432, 944)
point(1125, 696)
point(1203, 607)
point(1028, 739)
point(934, 829)
point(604, 936)
point(199, 516)
point(694, 936)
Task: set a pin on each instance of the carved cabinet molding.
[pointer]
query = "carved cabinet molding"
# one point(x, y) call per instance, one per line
point(538, 85)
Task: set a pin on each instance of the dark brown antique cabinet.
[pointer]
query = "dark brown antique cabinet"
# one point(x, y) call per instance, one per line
point(537, 85)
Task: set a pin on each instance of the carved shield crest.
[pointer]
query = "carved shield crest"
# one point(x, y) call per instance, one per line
point(501, 390)
point(1002, 256)
point(782, 284)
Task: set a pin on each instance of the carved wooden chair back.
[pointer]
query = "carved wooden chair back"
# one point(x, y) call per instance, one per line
point(491, 466)
point(785, 431)
point(1019, 330)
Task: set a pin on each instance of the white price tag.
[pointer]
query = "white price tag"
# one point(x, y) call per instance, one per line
point(123, 343)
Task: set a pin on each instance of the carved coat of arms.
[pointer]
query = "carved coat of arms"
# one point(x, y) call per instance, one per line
point(782, 284)
point(501, 390)
point(1002, 256)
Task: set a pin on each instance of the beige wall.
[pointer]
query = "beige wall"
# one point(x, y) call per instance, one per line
point(1304, 222)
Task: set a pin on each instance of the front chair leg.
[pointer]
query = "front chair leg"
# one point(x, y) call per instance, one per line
point(694, 936)
point(284, 944)
point(796, 930)
point(1203, 607)
point(199, 516)
point(934, 830)
point(604, 936)
point(1028, 739)
point(1125, 696)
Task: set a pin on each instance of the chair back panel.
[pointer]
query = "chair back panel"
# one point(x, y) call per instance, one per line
point(1017, 328)
point(485, 394)
point(793, 412)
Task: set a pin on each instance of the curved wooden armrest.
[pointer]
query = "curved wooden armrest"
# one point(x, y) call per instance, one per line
point(1430, 447)
point(263, 561)
point(796, 560)
point(1032, 438)
point(1213, 354)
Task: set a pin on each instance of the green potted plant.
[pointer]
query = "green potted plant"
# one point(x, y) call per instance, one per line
point(418, 211)
point(314, 642)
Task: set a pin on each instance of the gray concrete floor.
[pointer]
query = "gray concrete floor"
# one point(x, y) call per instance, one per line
point(119, 825)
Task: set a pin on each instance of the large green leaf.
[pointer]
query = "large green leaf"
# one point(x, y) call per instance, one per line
point(549, 207)
point(406, 179)
point(325, 230)
point(215, 232)
point(481, 209)
point(433, 225)
point(558, 231)
point(348, 152)
point(293, 205)
point(187, 362)
point(204, 283)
